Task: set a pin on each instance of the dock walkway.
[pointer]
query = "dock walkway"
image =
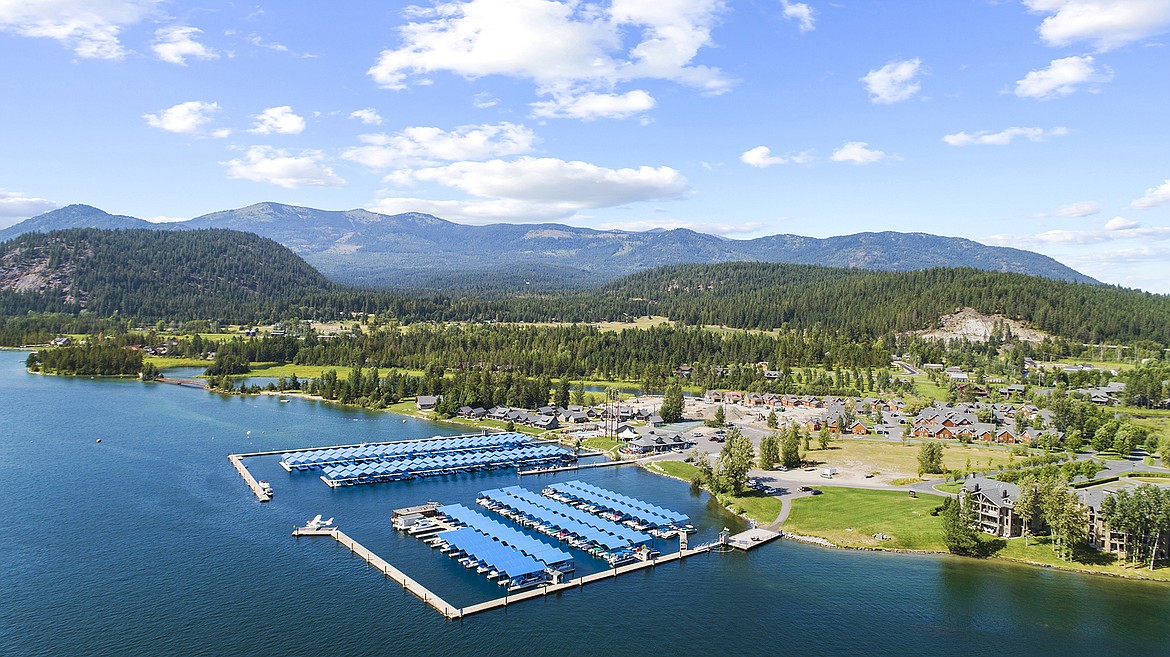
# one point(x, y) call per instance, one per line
point(449, 611)
point(238, 463)
point(752, 538)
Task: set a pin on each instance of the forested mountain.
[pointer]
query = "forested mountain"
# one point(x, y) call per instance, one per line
point(73, 216)
point(762, 295)
point(419, 251)
point(153, 274)
point(238, 277)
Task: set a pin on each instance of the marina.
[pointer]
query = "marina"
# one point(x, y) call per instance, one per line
point(353, 465)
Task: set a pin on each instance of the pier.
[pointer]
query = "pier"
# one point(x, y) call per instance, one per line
point(449, 611)
point(752, 538)
point(238, 463)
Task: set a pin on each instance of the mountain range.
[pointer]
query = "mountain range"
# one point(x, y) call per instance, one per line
point(415, 250)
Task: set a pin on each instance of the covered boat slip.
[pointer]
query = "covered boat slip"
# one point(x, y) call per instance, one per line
point(628, 507)
point(508, 563)
point(555, 518)
point(442, 464)
point(525, 544)
point(316, 458)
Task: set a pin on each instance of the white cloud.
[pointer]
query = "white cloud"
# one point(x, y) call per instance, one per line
point(1062, 77)
point(1153, 197)
point(368, 116)
point(184, 118)
point(279, 120)
point(1106, 23)
point(893, 82)
point(589, 106)
point(761, 156)
point(1121, 223)
point(1118, 228)
point(276, 166)
point(15, 206)
point(549, 180)
point(484, 100)
point(221, 133)
point(564, 48)
point(89, 27)
point(1078, 209)
point(1003, 137)
point(175, 44)
point(800, 12)
point(857, 152)
point(426, 145)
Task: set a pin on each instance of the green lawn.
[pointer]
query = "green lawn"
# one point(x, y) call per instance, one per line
point(163, 362)
point(1040, 551)
point(755, 505)
point(599, 443)
point(684, 471)
point(953, 487)
point(927, 388)
point(850, 517)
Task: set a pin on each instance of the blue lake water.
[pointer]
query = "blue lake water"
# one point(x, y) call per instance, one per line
point(150, 543)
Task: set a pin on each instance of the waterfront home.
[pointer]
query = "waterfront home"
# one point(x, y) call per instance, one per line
point(994, 503)
point(427, 402)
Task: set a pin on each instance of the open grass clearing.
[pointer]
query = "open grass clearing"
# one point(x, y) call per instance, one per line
point(850, 517)
point(1039, 550)
point(897, 461)
point(164, 362)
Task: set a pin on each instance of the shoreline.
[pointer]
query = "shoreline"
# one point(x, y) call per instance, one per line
point(807, 539)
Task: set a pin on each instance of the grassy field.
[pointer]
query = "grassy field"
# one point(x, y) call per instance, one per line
point(1039, 550)
point(163, 362)
point(755, 505)
point(599, 443)
point(894, 460)
point(927, 388)
point(953, 487)
point(850, 517)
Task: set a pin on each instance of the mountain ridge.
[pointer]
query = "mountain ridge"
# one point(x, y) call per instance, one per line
point(418, 250)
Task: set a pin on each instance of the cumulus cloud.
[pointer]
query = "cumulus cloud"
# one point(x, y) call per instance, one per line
point(589, 106)
point(1153, 197)
point(533, 189)
point(368, 116)
point(1078, 209)
point(277, 166)
point(1106, 23)
point(15, 206)
point(566, 49)
point(89, 27)
point(1063, 77)
point(1117, 228)
point(484, 100)
point(184, 118)
point(761, 156)
point(427, 145)
point(175, 44)
point(800, 12)
point(279, 120)
point(894, 82)
point(1003, 137)
point(551, 180)
point(857, 152)
point(1121, 223)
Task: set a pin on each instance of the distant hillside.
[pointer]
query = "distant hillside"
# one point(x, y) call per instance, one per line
point(151, 274)
point(764, 295)
point(73, 216)
point(419, 251)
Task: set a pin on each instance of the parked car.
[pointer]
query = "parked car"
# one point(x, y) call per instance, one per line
point(816, 491)
point(805, 489)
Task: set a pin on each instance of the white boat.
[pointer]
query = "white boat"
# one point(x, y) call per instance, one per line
point(265, 487)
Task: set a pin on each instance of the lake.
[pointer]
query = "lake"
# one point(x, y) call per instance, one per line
point(149, 543)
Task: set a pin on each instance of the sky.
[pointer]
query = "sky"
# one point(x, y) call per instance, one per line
point(1036, 124)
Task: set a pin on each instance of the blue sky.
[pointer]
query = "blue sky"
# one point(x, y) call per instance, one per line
point(1038, 124)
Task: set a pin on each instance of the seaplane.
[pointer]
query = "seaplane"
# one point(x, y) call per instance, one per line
point(318, 523)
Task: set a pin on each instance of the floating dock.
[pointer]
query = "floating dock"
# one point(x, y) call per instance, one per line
point(449, 611)
point(238, 463)
point(752, 538)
